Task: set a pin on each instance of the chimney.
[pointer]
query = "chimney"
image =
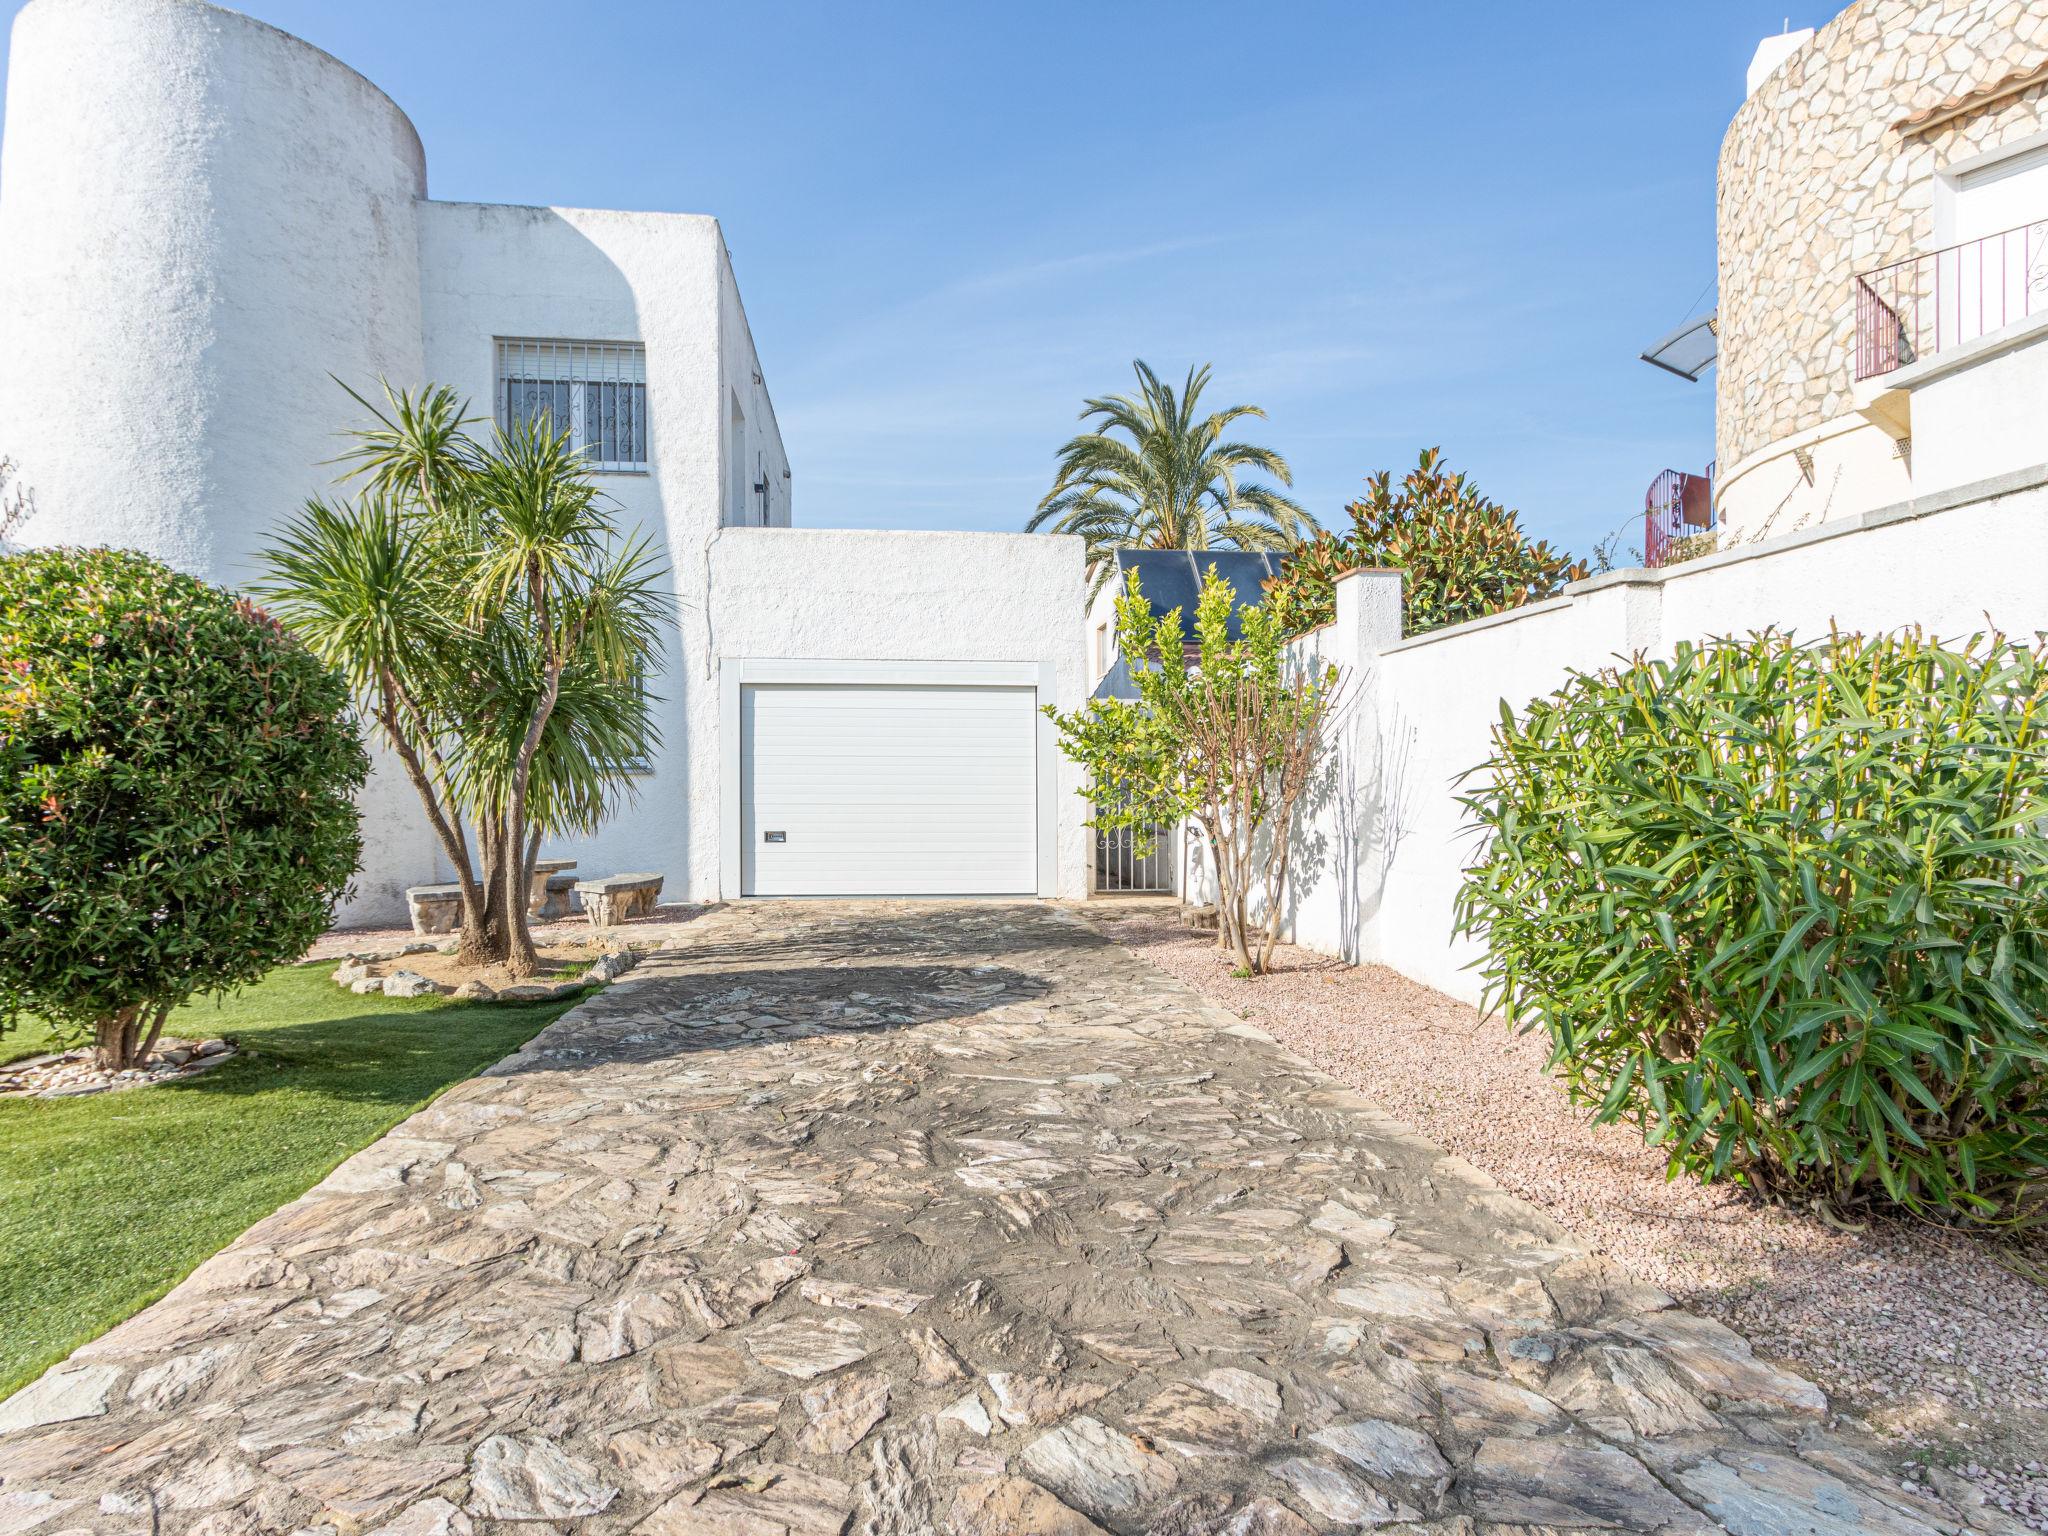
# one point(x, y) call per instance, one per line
point(1772, 52)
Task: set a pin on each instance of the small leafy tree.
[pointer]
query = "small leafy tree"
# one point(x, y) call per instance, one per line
point(179, 778)
point(1786, 908)
point(497, 626)
point(1462, 555)
point(1230, 740)
point(1173, 479)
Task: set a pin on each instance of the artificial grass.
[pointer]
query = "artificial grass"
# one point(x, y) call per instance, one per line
point(29, 1037)
point(107, 1201)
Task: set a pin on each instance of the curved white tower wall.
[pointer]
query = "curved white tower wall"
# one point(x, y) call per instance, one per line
point(201, 219)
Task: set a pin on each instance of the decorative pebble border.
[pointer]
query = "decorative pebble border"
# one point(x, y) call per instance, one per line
point(71, 1074)
point(354, 975)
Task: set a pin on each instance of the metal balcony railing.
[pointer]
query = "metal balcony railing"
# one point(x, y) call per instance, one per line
point(1930, 303)
point(1677, 506)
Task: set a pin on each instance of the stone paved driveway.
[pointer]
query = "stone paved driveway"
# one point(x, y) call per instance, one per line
point(919, 1218)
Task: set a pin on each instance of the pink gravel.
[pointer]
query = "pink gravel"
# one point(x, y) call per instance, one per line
point(1921, 1333)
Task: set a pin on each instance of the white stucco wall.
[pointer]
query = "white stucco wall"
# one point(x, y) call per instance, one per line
point(1099, 632)
point(1982, 412)
point(1850, 467)
point(860, 595)
point(762, 457)
point(1392, 841)
point(200, 216)
point(1944, 563)
point(489, 271)
point(1340, 840)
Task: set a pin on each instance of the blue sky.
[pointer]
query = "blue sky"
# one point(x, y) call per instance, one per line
point(1391, 226)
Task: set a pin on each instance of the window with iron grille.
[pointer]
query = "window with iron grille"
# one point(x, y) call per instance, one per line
point(594, 390)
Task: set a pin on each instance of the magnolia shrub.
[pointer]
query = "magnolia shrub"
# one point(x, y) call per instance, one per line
point(1461, 555)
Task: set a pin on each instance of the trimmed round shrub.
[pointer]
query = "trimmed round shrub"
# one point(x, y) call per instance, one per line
point(1786, 907)
point(179, 778)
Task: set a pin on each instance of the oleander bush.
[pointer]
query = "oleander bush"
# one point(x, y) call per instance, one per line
point(177, 781)
point(1785, 906)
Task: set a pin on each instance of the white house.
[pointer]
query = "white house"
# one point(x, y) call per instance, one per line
point(204, 222)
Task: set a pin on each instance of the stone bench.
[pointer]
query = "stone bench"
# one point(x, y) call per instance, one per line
point(561, 900)
point(619, 899)
point(544, 873)
point(434, 908)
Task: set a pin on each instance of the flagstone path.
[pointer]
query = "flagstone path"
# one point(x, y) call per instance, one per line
point(912, 1218)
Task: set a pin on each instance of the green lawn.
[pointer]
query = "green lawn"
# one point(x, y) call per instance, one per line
point(107, 1201)
point(29, 1038)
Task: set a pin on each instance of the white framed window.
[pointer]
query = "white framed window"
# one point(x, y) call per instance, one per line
point(597, 390)
point(1985, 194)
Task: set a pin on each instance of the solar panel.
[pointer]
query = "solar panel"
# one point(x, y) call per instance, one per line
point(1171, 578)
point(1165, 576)
point(1246, 570)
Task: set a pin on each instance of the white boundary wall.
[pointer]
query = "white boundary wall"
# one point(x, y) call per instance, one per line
point(1380, 859)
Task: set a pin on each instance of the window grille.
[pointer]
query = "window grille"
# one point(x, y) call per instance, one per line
point(596, 390)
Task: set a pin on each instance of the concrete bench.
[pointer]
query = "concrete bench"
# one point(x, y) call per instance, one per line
point(619, 899)
point(434, 908)
point(560, 901)
point(544, 871)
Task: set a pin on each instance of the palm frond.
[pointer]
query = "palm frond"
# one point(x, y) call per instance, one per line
point(1153, 472)
point(419, 445)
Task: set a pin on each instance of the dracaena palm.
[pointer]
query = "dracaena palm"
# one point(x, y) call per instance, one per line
point(1155, 472)
point(598, 723)
point(496, 624)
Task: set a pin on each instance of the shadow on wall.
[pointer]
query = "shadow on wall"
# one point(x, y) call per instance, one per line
point(1314, 853)
point(1351, 824)
point(1387, 820)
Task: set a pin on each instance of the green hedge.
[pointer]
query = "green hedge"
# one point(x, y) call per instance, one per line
point(1786, 907)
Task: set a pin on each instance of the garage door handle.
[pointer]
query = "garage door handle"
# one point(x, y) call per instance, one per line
point(774, 837)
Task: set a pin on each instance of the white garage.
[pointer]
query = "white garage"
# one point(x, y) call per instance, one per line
point(888, 779)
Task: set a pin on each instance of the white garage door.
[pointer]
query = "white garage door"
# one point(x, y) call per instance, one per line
point(871, 790)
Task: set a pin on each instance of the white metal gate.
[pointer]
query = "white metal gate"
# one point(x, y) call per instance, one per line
point(1120, 867)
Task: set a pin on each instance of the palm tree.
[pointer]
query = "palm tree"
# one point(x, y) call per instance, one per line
point(496, 624)
point(1174, 485)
